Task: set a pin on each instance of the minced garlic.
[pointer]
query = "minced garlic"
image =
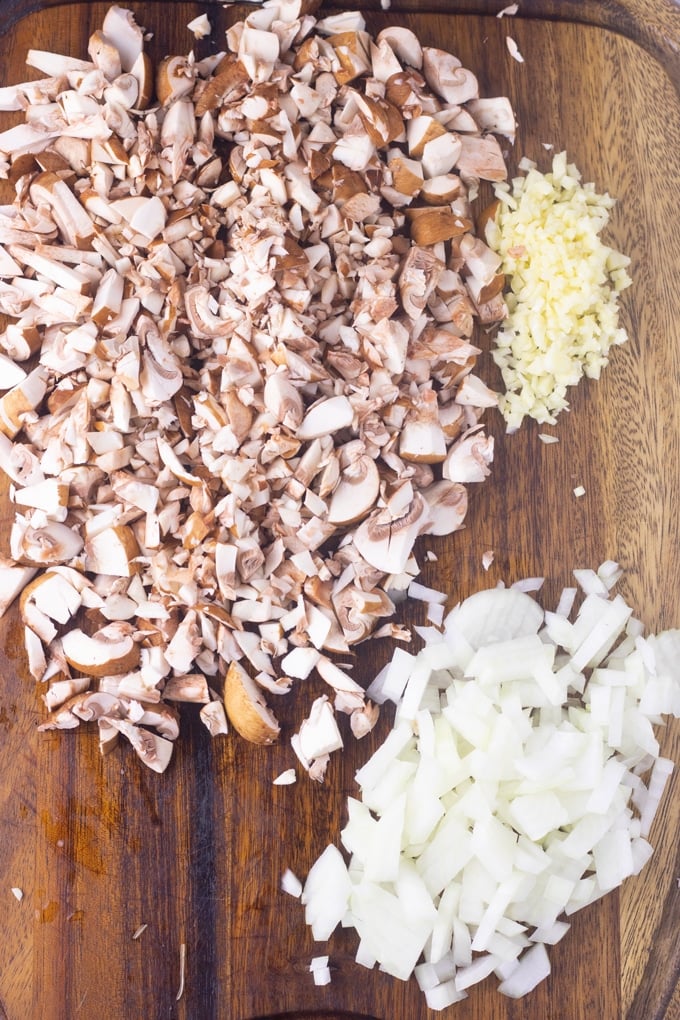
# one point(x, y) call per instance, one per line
point(563, 288)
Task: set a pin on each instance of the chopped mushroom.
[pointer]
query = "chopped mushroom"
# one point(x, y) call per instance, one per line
point(239, 387)
point(246, 708)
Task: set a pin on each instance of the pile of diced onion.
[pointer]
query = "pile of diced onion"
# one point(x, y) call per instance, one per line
point(518, 785)
point(564, 285)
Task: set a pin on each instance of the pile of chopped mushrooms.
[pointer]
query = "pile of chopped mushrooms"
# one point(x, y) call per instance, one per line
point(238, 362)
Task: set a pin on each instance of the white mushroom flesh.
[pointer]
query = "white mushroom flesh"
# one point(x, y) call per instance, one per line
point(229, 347)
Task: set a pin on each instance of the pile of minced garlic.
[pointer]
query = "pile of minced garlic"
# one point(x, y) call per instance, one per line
point(563, 290)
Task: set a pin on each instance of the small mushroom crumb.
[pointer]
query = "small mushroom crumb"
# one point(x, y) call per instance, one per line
point(17, 893)
point(214, 718)
point(200, 26)
point(579, 491)
point(548, 438)
point(508, 11)
point(487, 558)
point(513, 49)
point(138, 932)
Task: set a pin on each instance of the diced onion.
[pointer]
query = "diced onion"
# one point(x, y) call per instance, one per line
point(291, 884)
point(510, 792)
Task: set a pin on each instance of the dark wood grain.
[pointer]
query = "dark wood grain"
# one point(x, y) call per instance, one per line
point(101, 846)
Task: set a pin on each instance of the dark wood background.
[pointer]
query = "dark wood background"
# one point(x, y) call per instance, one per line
point(102, 846)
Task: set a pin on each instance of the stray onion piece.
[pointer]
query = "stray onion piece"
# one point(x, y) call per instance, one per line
point(518, 784)
point(241, 293)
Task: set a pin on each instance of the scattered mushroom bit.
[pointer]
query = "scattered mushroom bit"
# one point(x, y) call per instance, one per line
point(240, 295)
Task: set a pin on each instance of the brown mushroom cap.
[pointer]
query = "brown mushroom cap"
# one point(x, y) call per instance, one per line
point(246, 708)
point(386, 541)
point(111, 651)
point(356, 492)
point(52, 543)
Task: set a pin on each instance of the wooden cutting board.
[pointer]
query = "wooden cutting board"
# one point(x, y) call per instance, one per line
point(100, 847)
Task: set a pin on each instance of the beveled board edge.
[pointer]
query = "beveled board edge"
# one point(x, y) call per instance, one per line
point(654, 24)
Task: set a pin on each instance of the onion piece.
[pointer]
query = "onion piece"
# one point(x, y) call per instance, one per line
point(510, 792)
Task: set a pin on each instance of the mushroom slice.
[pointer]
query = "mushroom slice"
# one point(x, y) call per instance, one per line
point(419, 275)
point(200, 26)
point(108, 736)
point(49, 597)
point(480, 260)
point(110, 651)
point(124, 91)
point(441, 154)
point(432, 224)
point(71, 218)
point(422, 438)
point(447, 77)
point(407, 175)
point(145, 215)
point(447, 502)
point(161, 374)
point(22, 398)
point(112, 551)
point(214, 718)
point(63, 718)
point(174, 78)
point(50, 544)
point(163, 718)
point(174, 464)
point(404, 44)
point(352, 50)
point(283, 400)
point(20, 463)
point(12, 374)
point(190, 687)
point(228, 83)
point(109, 297)
point(472, 392)
point(357, 611)
point(494, 114)
point(362, 720)
point(318, 734)
point(355, 493)
point(50, 496)
point(201, 310)
point(94, 705)
point(246, 708)
point(468, 459)
point(13, 580)
point(326, 417)
point(441, 188)
point(300, 661)
point(120, 27)
point(56, 65)
point(481, 156)
point(154, 750)
point(60, 691)
point(386, 541)
point(104, 55)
